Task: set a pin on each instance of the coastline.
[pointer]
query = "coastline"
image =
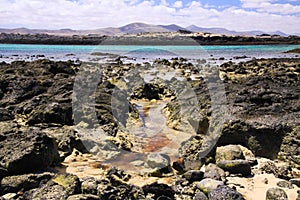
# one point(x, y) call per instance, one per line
point(147, 39)
point(42, 100)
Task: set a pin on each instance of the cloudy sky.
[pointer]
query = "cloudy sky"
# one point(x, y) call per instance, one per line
point(240, 15)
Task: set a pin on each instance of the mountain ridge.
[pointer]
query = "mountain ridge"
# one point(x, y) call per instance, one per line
point(136, 28)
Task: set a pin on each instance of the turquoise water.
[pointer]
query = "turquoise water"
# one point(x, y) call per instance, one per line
point(66, 52)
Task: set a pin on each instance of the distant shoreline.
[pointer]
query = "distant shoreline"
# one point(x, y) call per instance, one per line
point(146, 40)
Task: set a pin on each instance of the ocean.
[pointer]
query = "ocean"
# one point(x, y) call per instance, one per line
point(215, 54)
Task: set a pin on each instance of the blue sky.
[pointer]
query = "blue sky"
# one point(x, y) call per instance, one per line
point(240, 15)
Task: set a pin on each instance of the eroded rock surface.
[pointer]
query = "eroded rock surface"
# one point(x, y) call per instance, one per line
point(56, 113)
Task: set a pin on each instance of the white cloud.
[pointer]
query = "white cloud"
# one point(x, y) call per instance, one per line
point(93, 14)
point(270, 6)
point(164, 2)
point(178, 4)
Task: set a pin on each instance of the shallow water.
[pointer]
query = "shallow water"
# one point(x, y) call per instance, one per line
point(152, 135)
point(216, 54)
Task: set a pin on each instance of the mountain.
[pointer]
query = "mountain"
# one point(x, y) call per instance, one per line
point(136, 28)
point(211, 30)
point(173, 28)
point(224, 31)
point(279, 33)
point(133, 28)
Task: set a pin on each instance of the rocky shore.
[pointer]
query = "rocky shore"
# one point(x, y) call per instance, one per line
point(148, 39)
point(164, 130)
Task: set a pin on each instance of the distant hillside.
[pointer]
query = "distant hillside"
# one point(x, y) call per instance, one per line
point(224, 31)
point(135, 28)
point(173, 27)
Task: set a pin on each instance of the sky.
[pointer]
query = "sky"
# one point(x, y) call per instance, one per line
point(238, 15)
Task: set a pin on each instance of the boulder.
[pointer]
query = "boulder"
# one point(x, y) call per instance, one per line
point(285, 184)
point(207, 185)
point(280, 170)
point(193, 175)
point(14, 184)
point(229, 152)
point(70, 183)
point(214, 172)
point(9, 196)
point(159, 191)
point(225, 193)
point(236, 166)
point(50, 190)
point(108, 190)
point(156, 160)
point(89, 185)
point(28, 151)
point(276, 194)
point(58, 188)
point(200, 196)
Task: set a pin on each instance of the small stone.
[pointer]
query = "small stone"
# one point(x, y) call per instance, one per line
point(295, 181)
point(266, 181)
point(194, 175)
point(236, 166)
point(214, 172)
point(207, 185)
point(225, 193)
point(178, 165)
point(200, 196)
point(285, 184)
point(276, 194)
point(156, 160)
point(9, 196)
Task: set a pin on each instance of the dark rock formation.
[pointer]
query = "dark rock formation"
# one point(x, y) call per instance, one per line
point(159, 190)
point(236, 166)
point(263, 97)
point(208, 185)
point(212, 171)
point(193, 175)
point(42, 100)
point(163, 39)
point(15, 184)
point(225, 193)
point(275, 194)
point(28, 151)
